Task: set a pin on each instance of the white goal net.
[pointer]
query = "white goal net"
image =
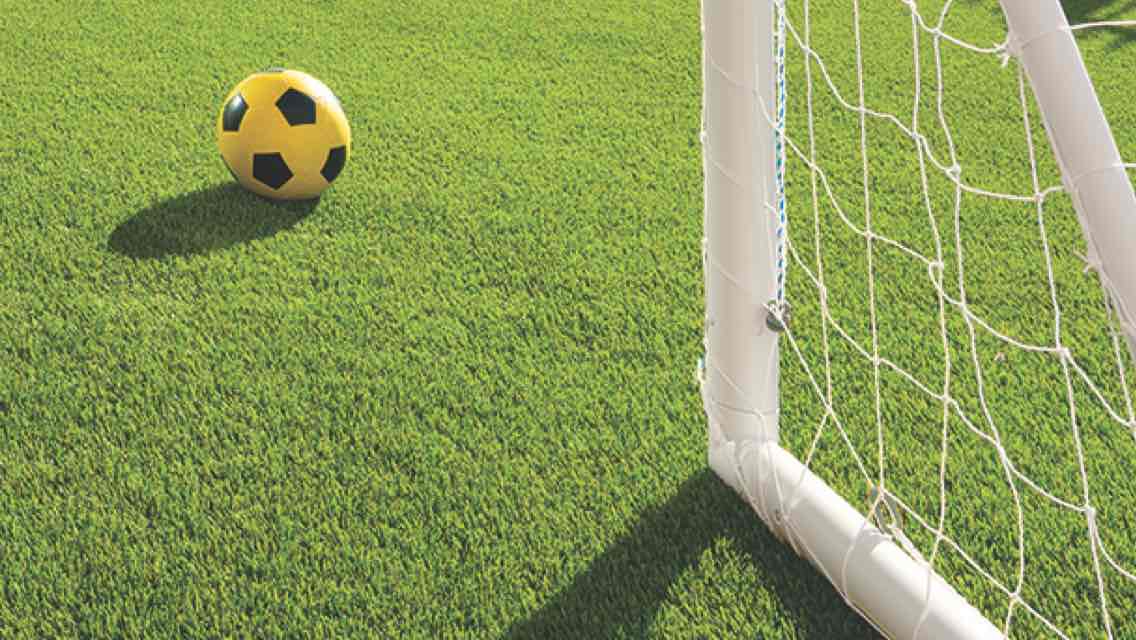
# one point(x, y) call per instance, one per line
point(950, 360)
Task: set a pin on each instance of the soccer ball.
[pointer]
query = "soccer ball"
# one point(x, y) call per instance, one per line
point(283, 134)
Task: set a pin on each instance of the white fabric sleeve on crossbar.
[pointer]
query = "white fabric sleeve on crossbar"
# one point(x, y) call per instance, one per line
point(900, 595)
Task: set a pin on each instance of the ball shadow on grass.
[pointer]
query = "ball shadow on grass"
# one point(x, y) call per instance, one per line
point(204, 221)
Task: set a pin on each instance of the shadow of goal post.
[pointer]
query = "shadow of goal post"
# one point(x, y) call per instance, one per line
point(744, 266)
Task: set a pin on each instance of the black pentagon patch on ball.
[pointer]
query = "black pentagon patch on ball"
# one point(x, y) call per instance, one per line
point(298, 108)
point(270, 169)
point(336, 157)
point(235, 111)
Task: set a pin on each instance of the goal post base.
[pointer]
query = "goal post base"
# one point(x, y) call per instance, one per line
point(901, 596)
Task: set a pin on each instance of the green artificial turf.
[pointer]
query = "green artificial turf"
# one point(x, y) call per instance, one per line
point(454, 398)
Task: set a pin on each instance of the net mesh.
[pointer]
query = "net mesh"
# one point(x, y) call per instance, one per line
point(950, 344)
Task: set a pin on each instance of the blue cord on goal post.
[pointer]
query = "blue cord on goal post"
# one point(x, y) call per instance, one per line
point(779, 149)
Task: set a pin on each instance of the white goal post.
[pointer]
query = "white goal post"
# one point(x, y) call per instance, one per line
point(744, 252)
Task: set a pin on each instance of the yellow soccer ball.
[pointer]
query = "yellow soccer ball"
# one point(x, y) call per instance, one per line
point(283, 134)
